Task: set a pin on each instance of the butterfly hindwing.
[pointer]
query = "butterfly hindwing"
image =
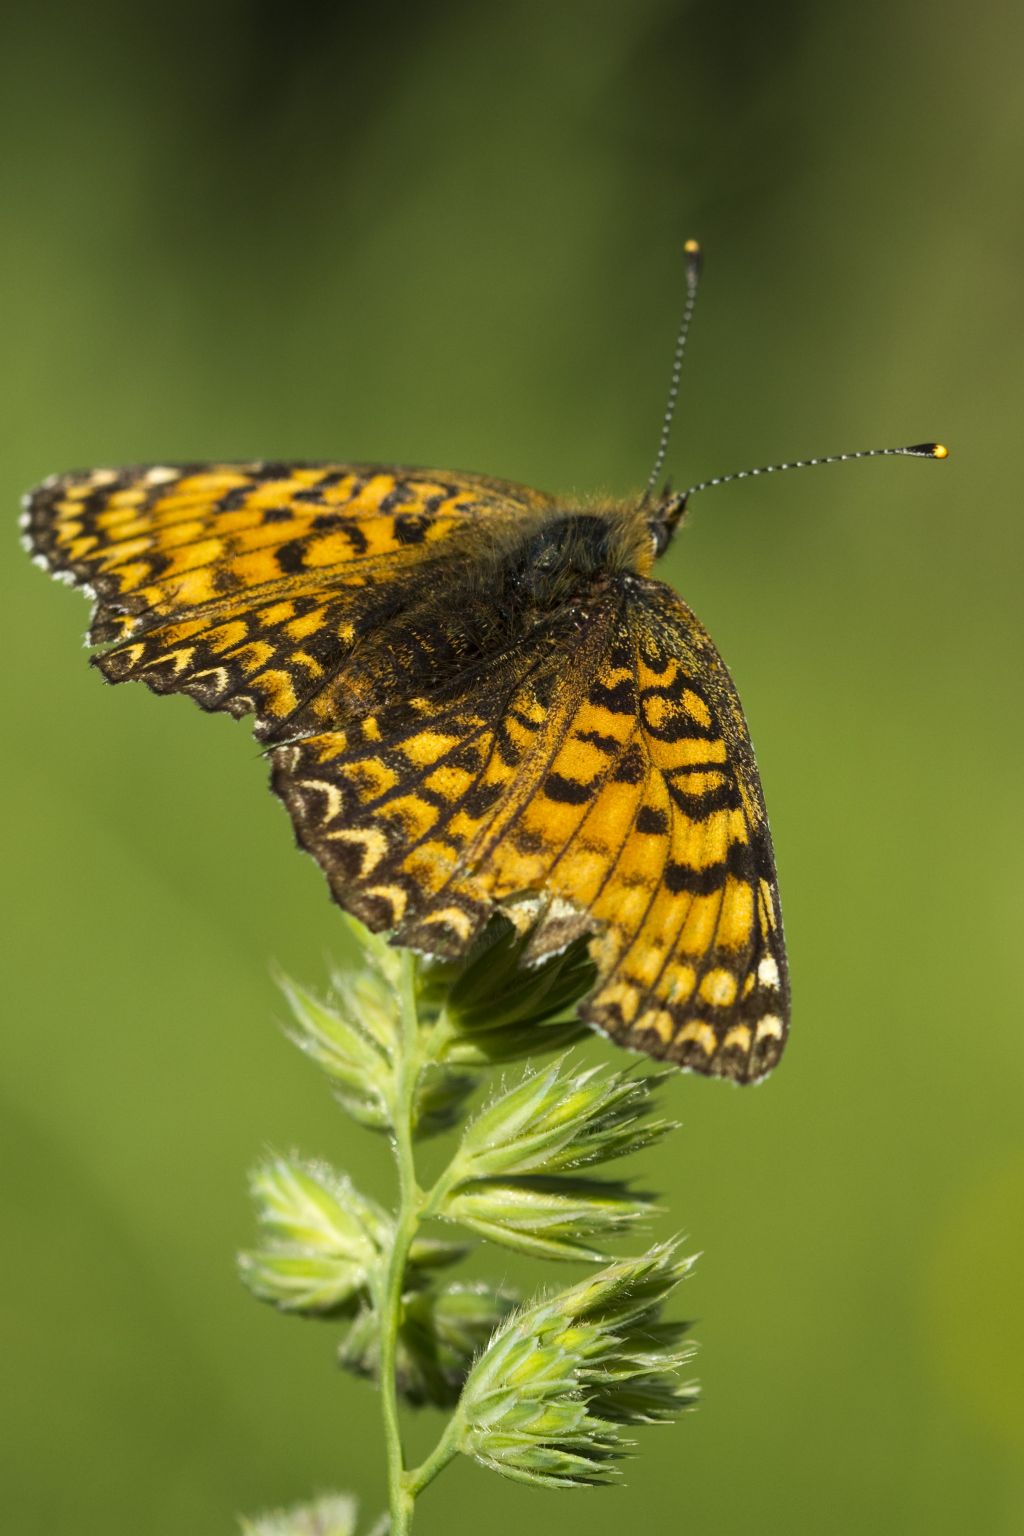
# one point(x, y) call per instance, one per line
point(691, 949)
point(619, 783)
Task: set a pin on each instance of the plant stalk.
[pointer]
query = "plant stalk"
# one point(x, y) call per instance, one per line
point(389, 1309)
point(443, 1452)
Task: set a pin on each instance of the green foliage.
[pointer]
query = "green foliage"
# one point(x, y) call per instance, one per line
point(543, 1391)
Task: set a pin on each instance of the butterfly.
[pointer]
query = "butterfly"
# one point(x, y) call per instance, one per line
point(474, 696)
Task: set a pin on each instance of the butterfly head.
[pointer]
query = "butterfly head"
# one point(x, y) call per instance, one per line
point(664, 518)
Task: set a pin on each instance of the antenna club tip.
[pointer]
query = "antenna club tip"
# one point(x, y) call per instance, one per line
point(694, 260)
point(940, 451)
point(692, 247)
point(929, 451)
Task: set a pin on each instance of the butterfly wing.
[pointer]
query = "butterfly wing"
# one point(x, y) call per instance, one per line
point(691, 950)
point(608, 770)
point(247, 585)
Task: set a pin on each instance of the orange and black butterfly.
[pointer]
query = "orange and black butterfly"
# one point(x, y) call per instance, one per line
point(474, 695)
point(471, 691)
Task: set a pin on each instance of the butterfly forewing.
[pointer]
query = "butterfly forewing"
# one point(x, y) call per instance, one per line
point(244, 584)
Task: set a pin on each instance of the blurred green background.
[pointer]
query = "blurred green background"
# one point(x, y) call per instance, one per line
point(451, 236)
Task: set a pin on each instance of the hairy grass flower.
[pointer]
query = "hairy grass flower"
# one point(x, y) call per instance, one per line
point(334, 1515)
point(554, 1218)
point(494, 1006)
point(443, 1329)
point(324, 1239)
point(543, 1392)
point(547, 1400)
point(557, 1118)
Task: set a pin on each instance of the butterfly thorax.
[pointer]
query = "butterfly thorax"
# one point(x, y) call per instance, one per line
point(562, 555)
point(520, 599)
point(568, 553)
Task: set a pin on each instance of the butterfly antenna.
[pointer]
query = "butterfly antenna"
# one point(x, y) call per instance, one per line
point(915, 451)
point(694, 260)
point(670, 515)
